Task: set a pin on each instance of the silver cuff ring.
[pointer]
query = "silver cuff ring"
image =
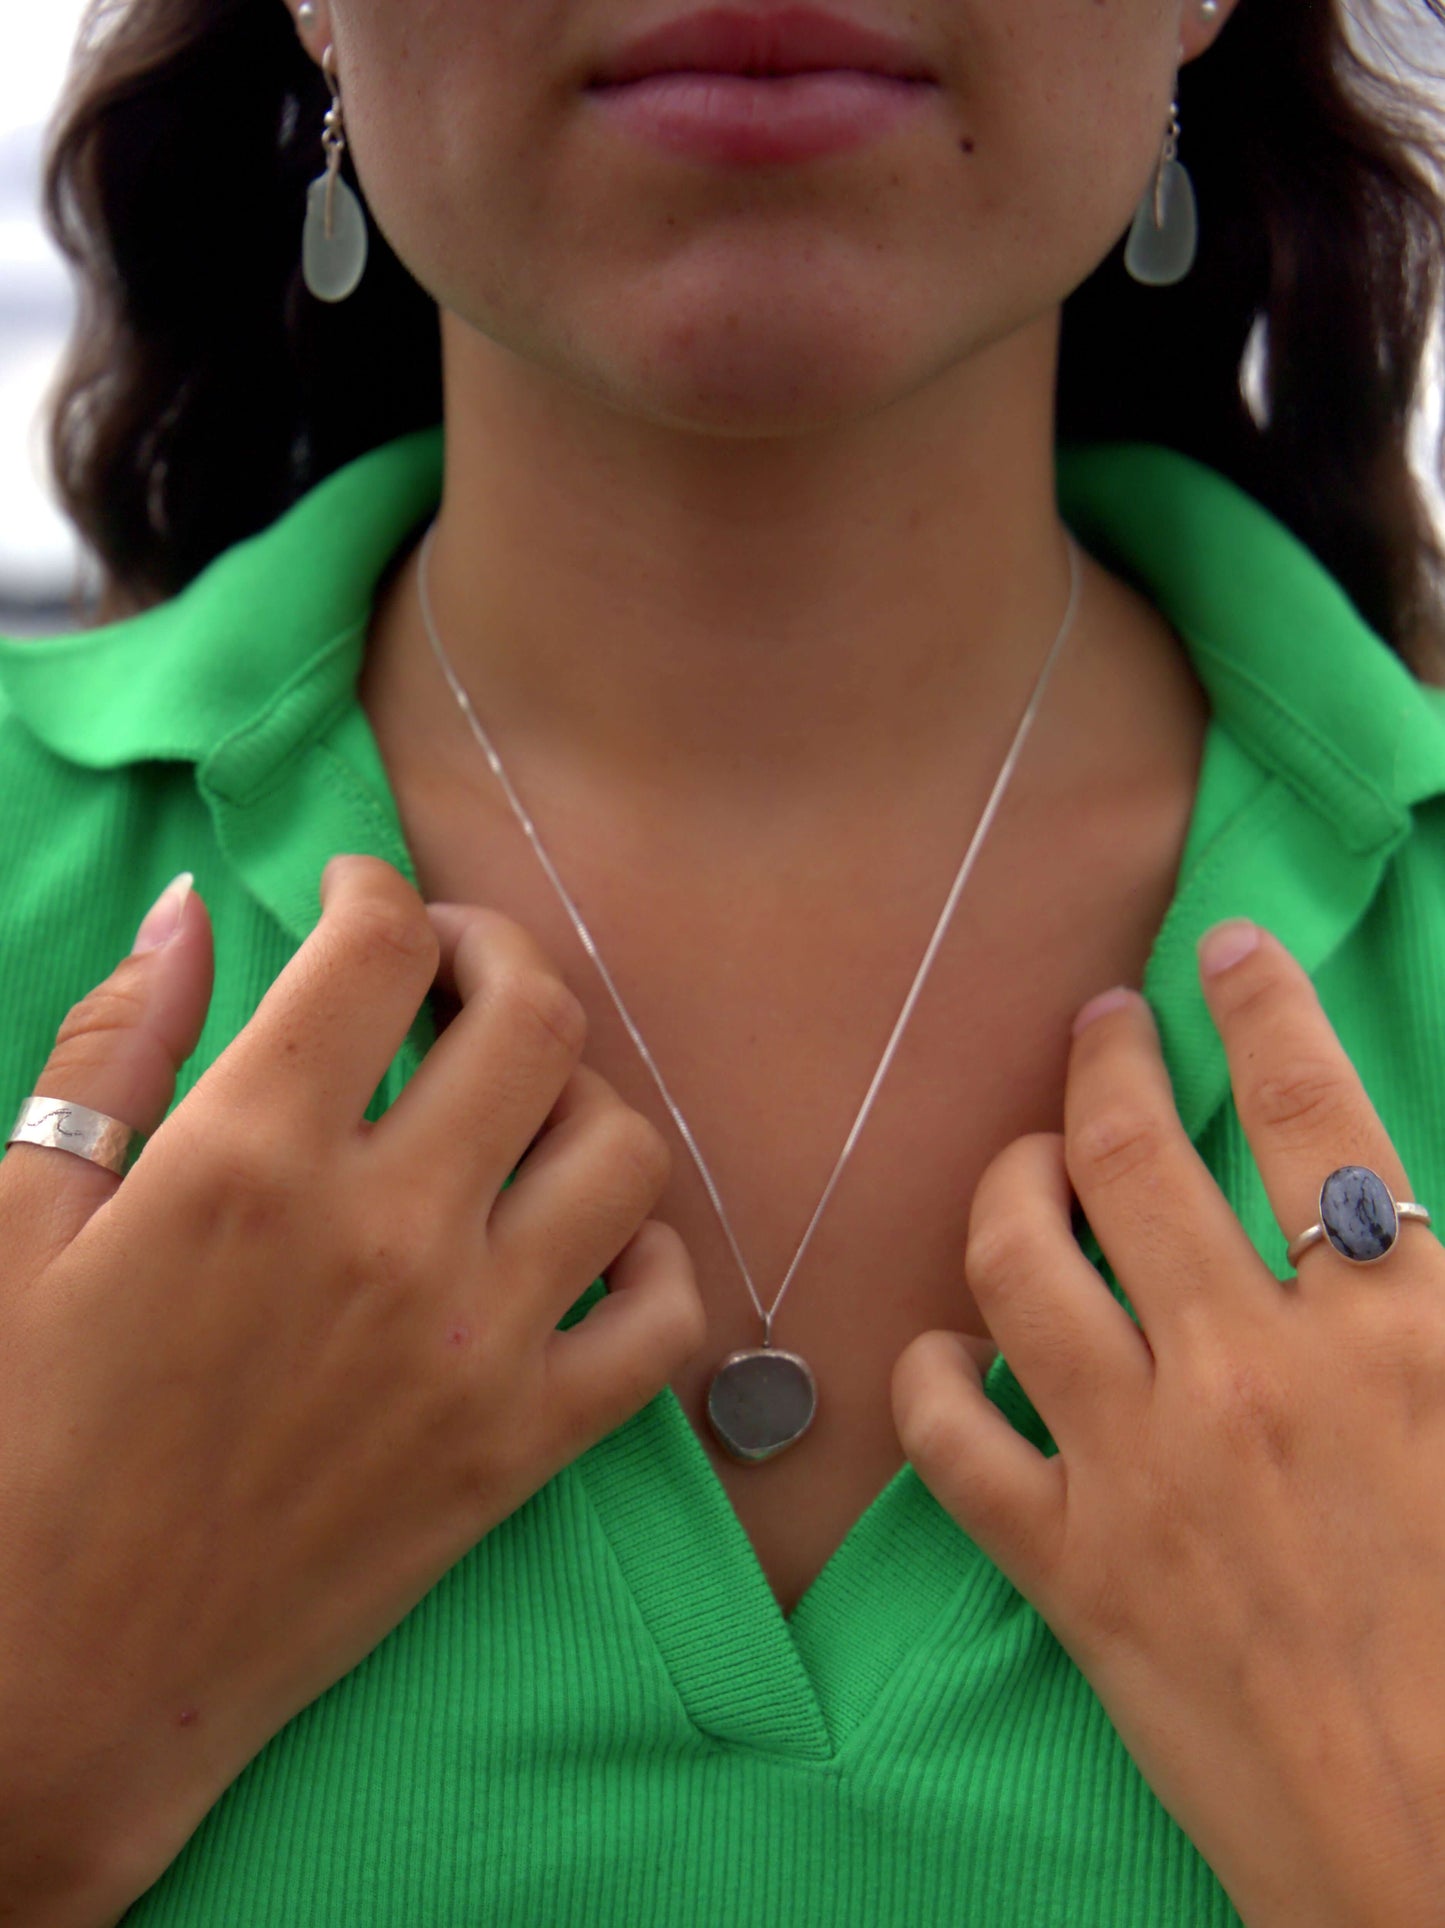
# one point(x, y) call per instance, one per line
point(74, 1128)
point(1359, 1215)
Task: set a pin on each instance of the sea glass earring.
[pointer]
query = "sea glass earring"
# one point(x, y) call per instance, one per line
point(334, 240)
point(1165, 234)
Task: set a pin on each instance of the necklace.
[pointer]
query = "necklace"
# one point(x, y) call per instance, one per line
point(760, 1400)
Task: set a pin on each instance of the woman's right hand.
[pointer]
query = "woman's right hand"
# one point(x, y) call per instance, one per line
point(262, 1393)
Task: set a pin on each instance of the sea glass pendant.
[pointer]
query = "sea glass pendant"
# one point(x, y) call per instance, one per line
point(334, 239)
point(1165, 234)
point(760, 1402)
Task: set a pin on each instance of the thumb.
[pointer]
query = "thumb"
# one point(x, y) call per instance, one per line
point(117, 1051)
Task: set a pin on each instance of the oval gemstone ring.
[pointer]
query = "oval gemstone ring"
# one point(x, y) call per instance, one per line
point(1359, 1215)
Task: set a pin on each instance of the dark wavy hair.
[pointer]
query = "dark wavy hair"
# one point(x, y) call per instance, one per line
point(203, 390)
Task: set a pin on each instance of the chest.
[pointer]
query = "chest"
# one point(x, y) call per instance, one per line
point(767, 996)
point(986, 1064)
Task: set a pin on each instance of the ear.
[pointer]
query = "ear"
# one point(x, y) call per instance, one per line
point(1198, 31)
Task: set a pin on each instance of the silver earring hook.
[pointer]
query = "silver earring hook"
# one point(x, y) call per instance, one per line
point(333, 134)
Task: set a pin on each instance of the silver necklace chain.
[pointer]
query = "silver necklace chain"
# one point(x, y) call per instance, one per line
point(990, 810)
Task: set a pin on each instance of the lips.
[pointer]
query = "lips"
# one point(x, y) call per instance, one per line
point(793, 40)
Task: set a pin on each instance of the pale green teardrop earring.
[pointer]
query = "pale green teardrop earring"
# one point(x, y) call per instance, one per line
point(1165, 235)
point(334, 240)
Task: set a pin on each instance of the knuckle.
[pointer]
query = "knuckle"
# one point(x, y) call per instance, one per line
point(1254, 1408)
point(243, 1184)
point(90, 1024)
point(385, 930)
point(491, 1472)
point(393, 1240)
point(997, 1180)
point(635, 1150)
point(1298, 1098)
point(1113, 1145)
point(928, 1426)
point(1108, 1604)
point(1254, 996)
point(672, 1340)
point(540, 999)
point(681, 1314)
point(1399, 1349)
point(1002, 1246)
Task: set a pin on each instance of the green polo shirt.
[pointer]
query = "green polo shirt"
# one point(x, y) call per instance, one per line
point(600, 1715)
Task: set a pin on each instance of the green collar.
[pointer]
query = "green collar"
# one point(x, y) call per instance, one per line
point(286, 608)
point(266, 645)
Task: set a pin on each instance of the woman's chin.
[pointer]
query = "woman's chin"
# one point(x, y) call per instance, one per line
point(748, 381)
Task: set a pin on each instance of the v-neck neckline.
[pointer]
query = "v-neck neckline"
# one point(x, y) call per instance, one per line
point(746, 1672)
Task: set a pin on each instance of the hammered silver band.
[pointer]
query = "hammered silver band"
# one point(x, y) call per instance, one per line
point(66, 1126)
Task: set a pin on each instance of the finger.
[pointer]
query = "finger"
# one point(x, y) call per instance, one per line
point(118, 1052)
point(577, 1092)
point(580, 1194)
point(1071, 1345)
point(325, 1033)
point(1175, 1245)
point(487, 1084)
point(1300, 1100)
point(1005, 1494)
point(448, 921)
point(646, 1327)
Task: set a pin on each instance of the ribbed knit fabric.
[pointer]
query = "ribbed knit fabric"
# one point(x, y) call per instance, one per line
point(600, 1716)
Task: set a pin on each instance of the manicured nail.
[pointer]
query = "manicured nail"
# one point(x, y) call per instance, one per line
point(163, 919)
point(1097, 1006)
point(1225, 944)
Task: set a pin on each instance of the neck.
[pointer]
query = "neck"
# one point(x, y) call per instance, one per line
point(669, 612)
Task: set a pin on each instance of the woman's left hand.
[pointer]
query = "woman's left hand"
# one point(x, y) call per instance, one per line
point(1241, 1540)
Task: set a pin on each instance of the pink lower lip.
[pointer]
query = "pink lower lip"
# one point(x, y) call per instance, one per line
point(741, 121)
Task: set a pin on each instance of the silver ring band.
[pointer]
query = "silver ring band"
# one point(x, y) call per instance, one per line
point(1359, 1217)
point(74, 1128)
point(1405, 1208)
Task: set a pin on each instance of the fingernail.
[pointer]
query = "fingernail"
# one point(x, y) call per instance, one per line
point(163, 919)
point(1097, 1006)
point(1225, 944)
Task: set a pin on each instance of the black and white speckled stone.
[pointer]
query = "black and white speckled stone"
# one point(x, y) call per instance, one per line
point(1358, 1213)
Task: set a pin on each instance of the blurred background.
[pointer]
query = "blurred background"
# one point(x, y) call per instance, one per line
point(42, 568)
point(39, 556)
